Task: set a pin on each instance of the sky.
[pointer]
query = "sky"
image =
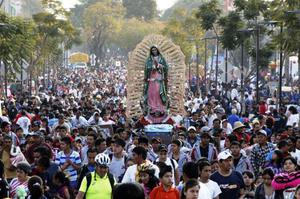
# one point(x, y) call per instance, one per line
point(161, 4)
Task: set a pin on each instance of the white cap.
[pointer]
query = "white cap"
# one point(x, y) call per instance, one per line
point(224, 155)
point(262, 132)
point(191, 128)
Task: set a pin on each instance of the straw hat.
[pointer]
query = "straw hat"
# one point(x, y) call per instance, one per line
point(238, 125)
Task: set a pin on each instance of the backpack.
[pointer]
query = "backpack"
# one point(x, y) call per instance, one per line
point(89, 180)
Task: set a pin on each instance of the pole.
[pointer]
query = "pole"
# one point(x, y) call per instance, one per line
point(190, 75)
point(280, 70)
point(226, 65)
point(30, 82)
point(44, 75)
point(21, 77)
point(205, 64)
point(242, 79)
point(217, 66)
point(257, 65)
point(197, 68)
point(48, 71)
point(5, 79)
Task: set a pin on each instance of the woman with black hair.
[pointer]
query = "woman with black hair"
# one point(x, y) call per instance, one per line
point(191, 189)
point(275, 162)
point(147, 178)
point(248, 177)
point(265, 189)
point(287, 181)
point(4, 187)
point(63, 186)
point(35, 187)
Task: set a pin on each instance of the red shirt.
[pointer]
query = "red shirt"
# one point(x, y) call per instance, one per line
point(242, 136)
point(160, 193)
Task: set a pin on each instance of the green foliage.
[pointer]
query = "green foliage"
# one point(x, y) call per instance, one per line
point(208, 14)
point(265, 55)
point(189, 5)
point(185, 31)
point(140, 9)
point(230, 37)
point(290, 37)
point(102, 21)
point(133, 31)
point(17, 40)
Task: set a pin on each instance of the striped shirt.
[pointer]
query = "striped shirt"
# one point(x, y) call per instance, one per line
point(61, 158)
point(14, 185)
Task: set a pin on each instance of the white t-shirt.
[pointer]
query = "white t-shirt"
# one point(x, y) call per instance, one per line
point(117, 167)
point(293, 119)
point(131, 171)
point(209, 190)
point(169, 163)
point(24, 123)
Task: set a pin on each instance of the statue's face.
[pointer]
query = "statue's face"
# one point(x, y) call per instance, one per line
point(154, 51)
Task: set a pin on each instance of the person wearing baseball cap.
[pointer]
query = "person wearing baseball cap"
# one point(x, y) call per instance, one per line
point(260, 151)
point(163, 157)
point(204, 148)
point(192, 136)
point(231, 182)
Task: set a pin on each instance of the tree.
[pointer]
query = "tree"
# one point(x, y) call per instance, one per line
point(189, 5)
point(140, 9)
point(208, 14)
point(102, 21)
point(185, 31)
point(16, 40)
point(133, 31)
point(289, 39)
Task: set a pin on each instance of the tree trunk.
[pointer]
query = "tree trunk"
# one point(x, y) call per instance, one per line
point(286, 70)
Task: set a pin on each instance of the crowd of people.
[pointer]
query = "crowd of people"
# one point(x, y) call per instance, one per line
point(75, 141)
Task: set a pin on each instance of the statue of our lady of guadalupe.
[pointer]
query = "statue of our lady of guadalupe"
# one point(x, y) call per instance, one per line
point(155, 87)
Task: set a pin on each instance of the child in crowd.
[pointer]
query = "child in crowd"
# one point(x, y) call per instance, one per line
point(148, 179)
point(248, 177)
point(35, 187)
point(63, 186)
point(166, 189)
point(191, 189)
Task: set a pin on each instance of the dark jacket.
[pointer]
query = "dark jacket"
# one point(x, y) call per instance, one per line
point(260, 193)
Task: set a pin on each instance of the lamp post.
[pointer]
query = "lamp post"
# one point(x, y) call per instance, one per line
point(205, 64)
point(226, 70)
point(197, 68)
point(217, 65)
point(297, 12)
point(256, 64)
point(243, 31)
point(205, 58)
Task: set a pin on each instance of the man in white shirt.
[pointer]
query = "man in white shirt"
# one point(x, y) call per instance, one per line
point(118, 159)
point(24, 122)
point(132, 173)
point(78, 120)
point(209, 189)
point(163, 157)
